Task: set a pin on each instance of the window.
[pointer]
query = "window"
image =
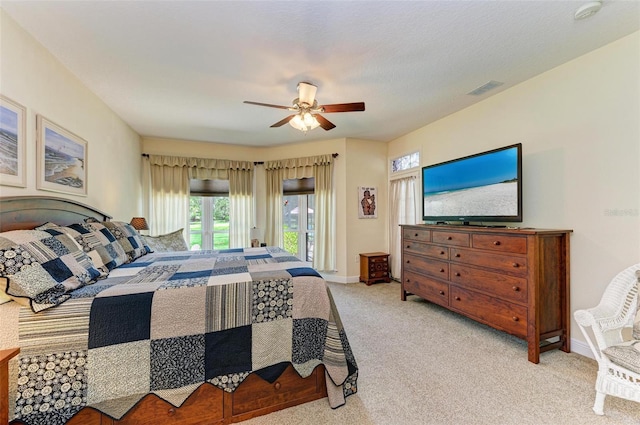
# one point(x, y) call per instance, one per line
point(209, 214)
point(405, 162)
point(298, 219)
point(209, 222)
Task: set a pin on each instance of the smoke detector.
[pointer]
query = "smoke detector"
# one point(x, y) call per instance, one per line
point(587, 10)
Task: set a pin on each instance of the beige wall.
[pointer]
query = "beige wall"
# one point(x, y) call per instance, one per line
point(359, 163)
point(367, 166)
point(31, 76)
point(579, 125)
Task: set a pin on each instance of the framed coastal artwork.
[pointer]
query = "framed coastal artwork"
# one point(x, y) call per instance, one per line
point(62, 159)
point(12, 143)
point(367, 202)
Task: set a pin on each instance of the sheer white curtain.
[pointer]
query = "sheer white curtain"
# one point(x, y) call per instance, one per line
point(324, 250)
point(320, 167)
point(240, 203)
point(403, 207)
point(168, 197)
point(273, 230)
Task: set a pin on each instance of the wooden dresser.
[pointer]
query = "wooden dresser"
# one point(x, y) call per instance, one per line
point(514, 280)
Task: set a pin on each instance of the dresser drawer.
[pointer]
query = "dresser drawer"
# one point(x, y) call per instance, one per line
point(501, 262)
point(416, 234)
point(427, 266)
point(435, 251)
point(492, 311)
point(429, 289)
point(450, 238)
point(509, 288)
point(504, 243)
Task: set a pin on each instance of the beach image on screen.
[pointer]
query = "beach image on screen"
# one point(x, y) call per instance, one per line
point(484, 185)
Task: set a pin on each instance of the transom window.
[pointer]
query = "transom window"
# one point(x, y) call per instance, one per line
point(405, 162)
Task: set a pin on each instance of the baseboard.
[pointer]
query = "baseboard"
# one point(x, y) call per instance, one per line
point(582, 348)
point(330, 277)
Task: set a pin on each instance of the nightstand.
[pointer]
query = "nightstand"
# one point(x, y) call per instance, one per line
point(374, 267)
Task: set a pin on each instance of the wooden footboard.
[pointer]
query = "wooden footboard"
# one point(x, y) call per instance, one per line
point(211, 406)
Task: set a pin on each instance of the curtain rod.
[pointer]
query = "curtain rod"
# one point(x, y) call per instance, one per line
point(335, 155)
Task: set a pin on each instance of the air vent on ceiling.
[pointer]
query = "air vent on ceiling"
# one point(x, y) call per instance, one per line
point(485, 88)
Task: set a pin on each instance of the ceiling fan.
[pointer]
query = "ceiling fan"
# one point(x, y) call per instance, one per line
point(307, 111)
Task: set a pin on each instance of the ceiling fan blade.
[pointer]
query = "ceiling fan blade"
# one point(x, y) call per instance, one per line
point(343, 107)
point(324, 123)
point(283, 121)
point(266, 104)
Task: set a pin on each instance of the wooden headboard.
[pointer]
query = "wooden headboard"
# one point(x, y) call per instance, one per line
point(28, 212)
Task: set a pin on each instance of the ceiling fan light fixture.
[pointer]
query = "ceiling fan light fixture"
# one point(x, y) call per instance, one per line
point(304, 122)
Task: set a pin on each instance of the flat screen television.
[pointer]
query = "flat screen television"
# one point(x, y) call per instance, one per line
point(485, 187)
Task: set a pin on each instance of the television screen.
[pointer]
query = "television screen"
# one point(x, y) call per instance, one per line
point(482, 187)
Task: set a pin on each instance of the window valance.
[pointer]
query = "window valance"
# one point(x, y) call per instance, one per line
point(308, 161)
point(202, 168)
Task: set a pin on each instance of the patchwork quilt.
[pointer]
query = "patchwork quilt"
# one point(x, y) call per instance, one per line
point(168, 322)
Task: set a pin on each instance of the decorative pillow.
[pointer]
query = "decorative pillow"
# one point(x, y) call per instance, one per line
point(626, 355)
point(636, 322)
point(173, 241)
point(43, 266)
point(128, 238)
point(96, 241)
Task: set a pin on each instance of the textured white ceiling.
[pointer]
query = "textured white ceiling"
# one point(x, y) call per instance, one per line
point(181, 69)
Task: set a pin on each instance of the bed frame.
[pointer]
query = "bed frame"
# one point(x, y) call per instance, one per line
point(208, 404)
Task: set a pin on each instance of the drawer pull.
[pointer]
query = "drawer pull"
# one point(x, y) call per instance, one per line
point(516, 288)
point(277, 385)
point(408, 246)
point(496, 243)
point(516, 265)
point(441, 270)
point(457, 298)
point(171, 412)
point(449, 238)
point(441, 252)
point(457, 274)
point(441, 292)
point(408, 261)
point(457, 255)
point(515, 319)
point(415, 234)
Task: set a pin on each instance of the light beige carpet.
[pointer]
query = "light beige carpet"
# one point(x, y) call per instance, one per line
point(421, 364)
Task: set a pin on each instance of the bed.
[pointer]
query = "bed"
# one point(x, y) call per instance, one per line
point(211, 337)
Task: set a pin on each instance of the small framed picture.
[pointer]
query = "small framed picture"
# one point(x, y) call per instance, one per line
point(13, 143)
point(62, 159)
point(367, 202)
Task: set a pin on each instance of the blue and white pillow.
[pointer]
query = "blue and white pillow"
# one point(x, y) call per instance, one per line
point(43, 266)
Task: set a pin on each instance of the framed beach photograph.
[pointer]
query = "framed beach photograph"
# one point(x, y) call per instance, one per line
point(13, 134)
point(62, 159)
point(367, 202)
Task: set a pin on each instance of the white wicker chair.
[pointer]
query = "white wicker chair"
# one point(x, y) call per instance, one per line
point(615, 312)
